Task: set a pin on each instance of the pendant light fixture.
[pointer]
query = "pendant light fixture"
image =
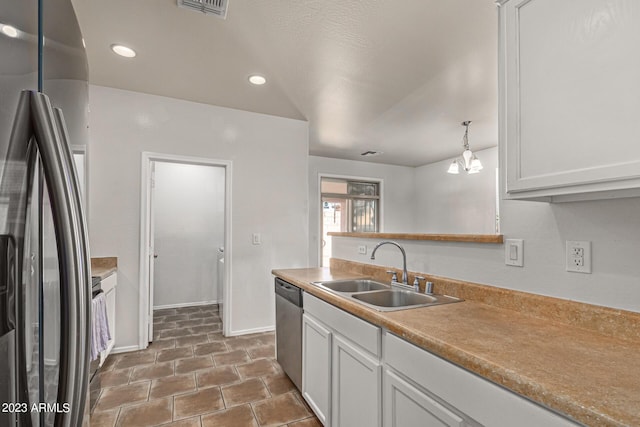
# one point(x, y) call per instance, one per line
point(468, 161)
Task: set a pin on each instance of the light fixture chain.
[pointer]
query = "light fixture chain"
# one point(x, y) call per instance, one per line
point(468, 161)
point(465, 138)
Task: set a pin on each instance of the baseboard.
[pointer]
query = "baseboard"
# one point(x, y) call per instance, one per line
point(251, 331)
point(124, 349)
point(184, 304)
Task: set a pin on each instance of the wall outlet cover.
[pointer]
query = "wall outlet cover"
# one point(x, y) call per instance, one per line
point(578, 256)
point(362, 249)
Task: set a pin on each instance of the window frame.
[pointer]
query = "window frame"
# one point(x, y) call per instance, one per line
point(352, 178)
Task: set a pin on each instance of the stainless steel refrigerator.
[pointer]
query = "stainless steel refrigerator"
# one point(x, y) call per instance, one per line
point(44, 255)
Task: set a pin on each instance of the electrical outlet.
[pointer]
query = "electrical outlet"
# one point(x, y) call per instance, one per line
point(362, 249)
point(578, 256)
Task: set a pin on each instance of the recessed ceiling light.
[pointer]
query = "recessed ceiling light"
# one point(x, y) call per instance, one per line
point(9, 31)
point(121, 50)
point(257, 79)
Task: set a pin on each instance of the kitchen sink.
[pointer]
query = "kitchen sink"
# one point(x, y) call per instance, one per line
point(395, 298)
point(400, 299)
point(382, 297)
point(353, 285)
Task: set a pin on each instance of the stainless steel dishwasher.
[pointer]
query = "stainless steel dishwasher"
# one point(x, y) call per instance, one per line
point(289, 330)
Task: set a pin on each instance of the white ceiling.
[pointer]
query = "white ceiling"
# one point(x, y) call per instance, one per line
point(397, 76)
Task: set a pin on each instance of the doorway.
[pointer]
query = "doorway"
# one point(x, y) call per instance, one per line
point(347, 204)
point(185, 227)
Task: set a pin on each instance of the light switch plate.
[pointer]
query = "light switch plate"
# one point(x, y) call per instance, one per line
point(256, 239)
point(514, 252)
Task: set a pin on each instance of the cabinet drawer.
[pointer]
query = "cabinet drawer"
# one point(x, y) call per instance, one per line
point(357, 330)
point(109, 282)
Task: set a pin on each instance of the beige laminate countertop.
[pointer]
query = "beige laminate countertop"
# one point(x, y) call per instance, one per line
point(591, 378)
point(102, 273)
point(103, 267)
point(469, 238)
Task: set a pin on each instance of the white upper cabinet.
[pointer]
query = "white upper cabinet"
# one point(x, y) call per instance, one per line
point(570, 98)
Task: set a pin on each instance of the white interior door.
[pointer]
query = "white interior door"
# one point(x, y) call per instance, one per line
point(152, 253)
point(193, 267)
point(188, 216)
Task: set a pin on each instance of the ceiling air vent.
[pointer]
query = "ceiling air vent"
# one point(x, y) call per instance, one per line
point(371, 153)
point(214, 7)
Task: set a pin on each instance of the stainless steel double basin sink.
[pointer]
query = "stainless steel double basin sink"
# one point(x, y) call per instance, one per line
point(382, 297)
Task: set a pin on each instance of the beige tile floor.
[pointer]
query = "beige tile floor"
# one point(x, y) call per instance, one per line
point(192, 376)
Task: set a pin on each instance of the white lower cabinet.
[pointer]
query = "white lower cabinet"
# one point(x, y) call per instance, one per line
point(316, 367)
point(109, 286)
point(356, 387)
point(354, 374)
point(424, 385)
point(407, 406)
point(341, 367)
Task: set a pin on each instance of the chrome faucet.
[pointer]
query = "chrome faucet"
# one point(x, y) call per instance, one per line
point(405, 276)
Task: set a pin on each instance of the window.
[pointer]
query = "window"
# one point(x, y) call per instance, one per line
point(347, 205)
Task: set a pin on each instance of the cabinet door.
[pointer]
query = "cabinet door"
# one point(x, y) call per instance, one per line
point(109, 287)
point(356, 389)
point(316, 367)
point(407, 406)
point(570, 97)
point(111, 316)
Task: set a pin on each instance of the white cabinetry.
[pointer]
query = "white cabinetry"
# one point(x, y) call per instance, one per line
point(356, 388)
point(341, 368)
point(316, 367)
point(109, 285)
point(423, 389)
point(405, 405)
point(348, 382)
point(570, 97)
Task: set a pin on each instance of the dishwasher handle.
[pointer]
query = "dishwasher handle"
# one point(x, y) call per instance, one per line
point(290, 292)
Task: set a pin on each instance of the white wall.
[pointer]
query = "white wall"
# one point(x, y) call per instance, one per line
point(613, 227)
point(425, 199)
point(188, 206)
point(269, 191)
point(462, 203)
point(72, 97)
point(397, 197)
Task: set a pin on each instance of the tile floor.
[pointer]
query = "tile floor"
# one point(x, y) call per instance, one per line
point(192, 376)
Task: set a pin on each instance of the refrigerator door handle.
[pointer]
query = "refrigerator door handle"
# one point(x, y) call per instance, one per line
point(82, 245)
point(71, 239)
